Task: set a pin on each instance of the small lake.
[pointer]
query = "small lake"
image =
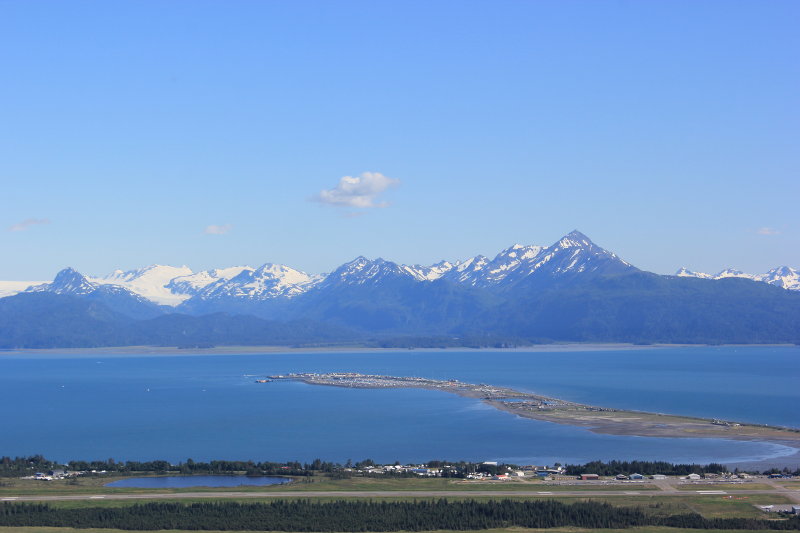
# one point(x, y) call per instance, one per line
point(183, 482)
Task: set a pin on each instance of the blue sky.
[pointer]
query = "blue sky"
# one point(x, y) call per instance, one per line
point(218, 133)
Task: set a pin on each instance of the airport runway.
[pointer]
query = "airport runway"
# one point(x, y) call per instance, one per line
point(793, 495)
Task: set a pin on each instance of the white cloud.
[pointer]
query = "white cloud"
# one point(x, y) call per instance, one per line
point(767, 231)
point(358, 191)
point(27, 223)
point(218, 230)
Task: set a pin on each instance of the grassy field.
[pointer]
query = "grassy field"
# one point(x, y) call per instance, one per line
point(727, 487)
point(710, 506)
point(717, 506)
point(96, 485)
point(358, 484)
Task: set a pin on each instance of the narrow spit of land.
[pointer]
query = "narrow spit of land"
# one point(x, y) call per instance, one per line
point(538, 407)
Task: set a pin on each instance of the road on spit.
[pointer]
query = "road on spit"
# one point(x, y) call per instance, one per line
point(793, 495)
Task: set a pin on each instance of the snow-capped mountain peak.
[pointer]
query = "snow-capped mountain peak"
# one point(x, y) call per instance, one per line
point(361, 271)
point(443, 265)
point(472, 264)
point(67, 281)
point(574, 239)
point(191, 284)
point(733, 273)
point(429, 273)
point(510, 262)
point(684, 272)
point(784, 277)
point(518, 252)
point(467, 272)
point(573, 254)
point(267, 281)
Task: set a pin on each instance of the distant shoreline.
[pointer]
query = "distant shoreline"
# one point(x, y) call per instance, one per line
point(275, 350)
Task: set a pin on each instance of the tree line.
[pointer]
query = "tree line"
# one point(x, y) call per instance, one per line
point(613, 468)
point(305, 515)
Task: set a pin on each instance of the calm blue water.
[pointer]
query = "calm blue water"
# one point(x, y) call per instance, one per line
point(208, 407)
point(183, 482)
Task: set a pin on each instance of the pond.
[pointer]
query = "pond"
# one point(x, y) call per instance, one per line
point(182, 482)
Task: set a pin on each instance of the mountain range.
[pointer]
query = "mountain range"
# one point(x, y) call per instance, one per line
point(784, 277)
point(172, 286)
point(572, 290)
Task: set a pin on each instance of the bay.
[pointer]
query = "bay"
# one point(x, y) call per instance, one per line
point(143, 407)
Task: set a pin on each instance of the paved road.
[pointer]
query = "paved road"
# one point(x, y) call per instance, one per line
point(791, 494)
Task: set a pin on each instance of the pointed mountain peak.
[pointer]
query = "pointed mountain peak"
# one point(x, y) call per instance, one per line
point(356, 264)
point(67, 275)
point(70, 281)
point(784, 276)
point(67, 271)
point(783, 271)
point(353, 265)
point(362, 270)
point(576, 234)
point(574, 239)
